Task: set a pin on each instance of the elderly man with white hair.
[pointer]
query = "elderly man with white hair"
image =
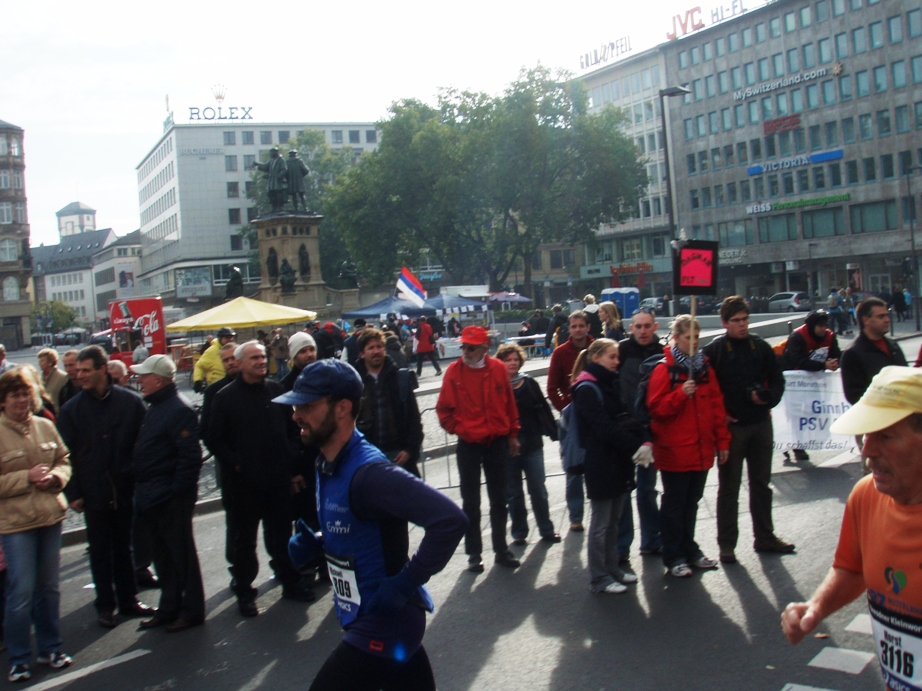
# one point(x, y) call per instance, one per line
point(167, 460)
point(256, 441)
point(881, 536)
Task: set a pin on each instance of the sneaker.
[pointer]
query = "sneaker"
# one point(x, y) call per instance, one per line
point(20, 673)
point(576, 526)
point(475, 564)
point(614, 589)
point(680, 571)
point(776, 545)
point(57, 660)
point(626, 577)
point(704, 562)
point(801, 455)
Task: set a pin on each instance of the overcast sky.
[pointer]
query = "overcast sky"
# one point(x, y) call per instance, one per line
point(88, 81)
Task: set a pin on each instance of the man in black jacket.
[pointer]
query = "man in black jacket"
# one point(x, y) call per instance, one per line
point(752, 384)
point(303, 350)
point(100, 425)
point(389, 416)
point(167, 461)
point(256, 442)
point(632, 351)
point(871, 351)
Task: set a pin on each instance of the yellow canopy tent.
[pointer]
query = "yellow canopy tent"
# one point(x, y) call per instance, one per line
point(242, 313)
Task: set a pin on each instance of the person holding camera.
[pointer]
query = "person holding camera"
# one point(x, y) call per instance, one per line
point(752, 383)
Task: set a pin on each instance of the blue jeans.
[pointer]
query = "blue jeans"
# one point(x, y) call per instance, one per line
point(650, 538)
point(33, 563)
point(574, 496)
point(532, 464)
point(281, 368)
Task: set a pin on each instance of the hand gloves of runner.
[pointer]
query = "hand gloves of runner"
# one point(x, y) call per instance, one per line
point(392, 594)
point(643, 456)
point(305, 545)
point(199, 386)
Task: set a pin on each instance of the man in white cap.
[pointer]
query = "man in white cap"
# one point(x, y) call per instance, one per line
point(881, 536)
point(303, 350)
point(167, 459)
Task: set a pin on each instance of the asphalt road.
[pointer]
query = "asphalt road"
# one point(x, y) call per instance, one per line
point(536, 628)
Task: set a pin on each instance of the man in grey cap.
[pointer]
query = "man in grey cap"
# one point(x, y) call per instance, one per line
point(167, 460)
point(365, 503)
point(881, 536)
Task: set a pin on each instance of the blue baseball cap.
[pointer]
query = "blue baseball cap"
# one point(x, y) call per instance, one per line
point(328, 377)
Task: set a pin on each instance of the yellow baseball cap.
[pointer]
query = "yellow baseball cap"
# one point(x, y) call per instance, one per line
point(895, 393)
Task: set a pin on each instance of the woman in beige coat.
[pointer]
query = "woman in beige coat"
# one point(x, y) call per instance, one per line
point(34, 468)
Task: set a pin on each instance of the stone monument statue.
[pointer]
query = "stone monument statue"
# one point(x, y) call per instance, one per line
point(272, 264)
point(297, 171)
point(287, 277)
point(276, 173)
point(234, 287)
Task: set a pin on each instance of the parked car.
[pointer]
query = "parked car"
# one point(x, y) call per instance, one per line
point(790, 302)
point(656, 304)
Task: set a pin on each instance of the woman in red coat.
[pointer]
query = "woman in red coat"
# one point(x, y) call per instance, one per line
point(689, 425)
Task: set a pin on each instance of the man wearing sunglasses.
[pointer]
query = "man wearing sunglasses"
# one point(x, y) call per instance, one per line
point(477, 404)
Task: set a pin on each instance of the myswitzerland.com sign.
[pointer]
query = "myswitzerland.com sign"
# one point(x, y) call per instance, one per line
point(766, 87)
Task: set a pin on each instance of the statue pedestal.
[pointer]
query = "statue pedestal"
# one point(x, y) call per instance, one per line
point(295, 237)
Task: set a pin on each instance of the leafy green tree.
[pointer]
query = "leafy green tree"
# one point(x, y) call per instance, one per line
point(481, 180)
point(325, 166)
point(55, 316)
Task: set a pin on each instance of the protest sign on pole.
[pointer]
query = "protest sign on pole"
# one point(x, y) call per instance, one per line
point(812, 401)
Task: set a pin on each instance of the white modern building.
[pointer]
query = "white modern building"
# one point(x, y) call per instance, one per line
point(115, 268)
point(192, 196)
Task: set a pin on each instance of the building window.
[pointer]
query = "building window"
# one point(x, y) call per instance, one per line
point(876, 32)
point(841, 45)
point(822, 11)
point(4, 179)
point(887, 171)
point(870, 169)
point(10, 289)
point(562, 259)
point(371, 136)
point(14, 147)
point(779, 228)
point(914, 19)
point(809, 56)
point(862, 83)
point(825, 47)
point(230, 138)
point(883, 123)
point(901, 117)
point(829, 92)
point(233, 189)
point(845, 87)
point(9, 250)
point(851, 172)
point(731, 193)
point(874, 217)
point(797, 101)
point(803, 180)
point(236, 243)
point(233, 216)
point(832, 134)
point(694, 200)
point(760, 32)
point(284, 136)
point(880, 79)
point(742, 153)
point(805, 18)
point(899, 74)
point(793, 61)
point(246, 138)
point(823, 223)
point(249, 161)
point(895, 27)
point(764, 74)
point(745, 191)
point(864, 126)
point(265, 137)
point(819, 178)
point(835, 175)
point(859, 42)
point(774, 27)
point(6, 212)
point(230, 163)
point(736, 233)
point(736, 77)
point(354, 137)
point(337, 136)
point(790, 22)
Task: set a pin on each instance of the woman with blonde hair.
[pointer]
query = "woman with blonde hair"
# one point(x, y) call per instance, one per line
point(689, 424)
point(611, 321)
point(612, 443)
point(33, 473)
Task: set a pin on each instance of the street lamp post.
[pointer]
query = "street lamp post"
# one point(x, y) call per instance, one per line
point(911, 207)
point(669, 92)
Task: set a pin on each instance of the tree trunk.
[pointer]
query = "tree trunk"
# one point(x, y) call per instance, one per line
point(526, 277)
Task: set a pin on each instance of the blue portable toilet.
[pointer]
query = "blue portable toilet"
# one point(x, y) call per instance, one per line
point(627, 299)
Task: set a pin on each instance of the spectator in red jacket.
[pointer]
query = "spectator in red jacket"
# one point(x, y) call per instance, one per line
point(688, 420)
point(476, 403)
point(558, 391)
point(425, 347)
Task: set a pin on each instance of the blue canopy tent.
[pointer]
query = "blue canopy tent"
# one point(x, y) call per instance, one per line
point(398, 306)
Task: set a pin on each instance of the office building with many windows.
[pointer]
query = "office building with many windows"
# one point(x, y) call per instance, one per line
point(15, 258)
point(799, 145)
point(192, 196)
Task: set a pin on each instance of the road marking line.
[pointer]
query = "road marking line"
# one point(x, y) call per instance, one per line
point(861, 624)
point(86, 671)
point(801, 687)
point(842, 660)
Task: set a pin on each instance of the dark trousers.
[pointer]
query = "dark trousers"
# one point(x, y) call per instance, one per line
point(752, 444)
point(181, 592)
point(108, 532)
point(227, 497)
point(141, 549)
point(678, 514)
point(422, 357)
point(272, 506)
point(492, 457)
point(349, 669)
